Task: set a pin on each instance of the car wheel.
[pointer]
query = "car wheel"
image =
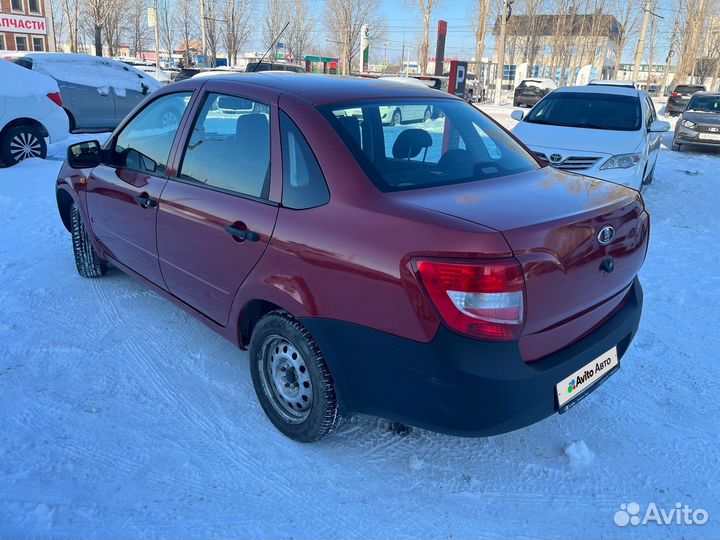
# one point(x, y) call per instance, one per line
point(396, 118)
point(169, 117)
point(89, 264)
point(291, 379)
point(676, 147)
point(22, 142)
point(427, 115)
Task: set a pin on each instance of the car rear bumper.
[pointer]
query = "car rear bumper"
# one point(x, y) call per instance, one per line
point(457, 385)
point(56, 124)
point(526, 100)
point(675, 107)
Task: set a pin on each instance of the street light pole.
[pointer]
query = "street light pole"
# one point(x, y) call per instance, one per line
point(157, 36)
point(500, 53)
point(641, 42)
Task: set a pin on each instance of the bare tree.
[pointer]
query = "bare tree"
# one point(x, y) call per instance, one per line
point(166, 26)
point(71, 9)
point(186, 21)
point(628, 15)
point(236, 27)
point(275, 19)
point(481, 25)
point(212, 30)
point(137, 27)
point(113, 24)
point(426, 9)
point(300, 29)
point(344, 19)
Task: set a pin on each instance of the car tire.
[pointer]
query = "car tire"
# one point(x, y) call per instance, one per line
point(169, 117)
point(427, 115)
point(676, 147)
point(89, 264)
point(22, 142)
point(396, 118)
point(292, 380)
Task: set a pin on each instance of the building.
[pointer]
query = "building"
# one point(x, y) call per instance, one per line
point(568, 48)
point(23, 25)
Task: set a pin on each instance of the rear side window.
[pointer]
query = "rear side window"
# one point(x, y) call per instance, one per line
point(144, 143)
point(229, 146)
point(304, 185)
point(688, 89)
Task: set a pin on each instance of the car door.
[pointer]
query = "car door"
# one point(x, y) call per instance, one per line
point(654, 138)
point(122, 195)
point(216, 216)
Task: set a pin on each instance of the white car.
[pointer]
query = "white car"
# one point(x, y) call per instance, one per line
point(607, 132)
point(31, 114)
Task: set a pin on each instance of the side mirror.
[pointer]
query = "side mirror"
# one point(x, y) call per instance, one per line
point(659, 126)
point(84, 155)
point(517, 115)
point(145, 89)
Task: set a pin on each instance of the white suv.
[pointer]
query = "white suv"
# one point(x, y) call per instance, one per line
point(606, 132)
point(31, 114)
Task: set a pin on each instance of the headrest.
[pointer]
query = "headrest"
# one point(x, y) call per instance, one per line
point(351, 124)
point(410, 143)
point(254, 124)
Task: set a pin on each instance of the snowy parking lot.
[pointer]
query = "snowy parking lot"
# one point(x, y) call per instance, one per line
point(123, 416)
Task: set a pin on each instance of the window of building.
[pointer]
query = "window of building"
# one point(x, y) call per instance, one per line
point(21, 43)
point(17, 5)
point(34, 6)
point(38, 44)
point(2, 42)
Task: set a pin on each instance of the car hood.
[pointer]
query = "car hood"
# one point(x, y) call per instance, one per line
point(706, 118)
point(577, 139)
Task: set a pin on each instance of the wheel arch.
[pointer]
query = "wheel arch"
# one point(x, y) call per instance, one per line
point(64, 203)
point(24, 121)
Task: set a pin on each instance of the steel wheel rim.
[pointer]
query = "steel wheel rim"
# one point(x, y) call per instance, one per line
point(286, 379)
point(168, 118)
point(25, 145)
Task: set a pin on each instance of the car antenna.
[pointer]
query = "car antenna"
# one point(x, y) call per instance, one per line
point(271, 46)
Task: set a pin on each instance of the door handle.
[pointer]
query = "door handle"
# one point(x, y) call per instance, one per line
point(240, 234)
point(145, 201)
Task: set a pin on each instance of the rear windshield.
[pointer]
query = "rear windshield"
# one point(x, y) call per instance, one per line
point(704, 104)
point(687, 89)
point(586, 110)
point(426, 142)
point(538, 84)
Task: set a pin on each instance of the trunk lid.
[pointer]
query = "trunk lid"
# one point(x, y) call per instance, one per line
point(551, 221)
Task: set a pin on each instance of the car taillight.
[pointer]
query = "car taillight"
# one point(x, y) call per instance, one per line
point(482, 299)
point(674, 94)
point(56, 98)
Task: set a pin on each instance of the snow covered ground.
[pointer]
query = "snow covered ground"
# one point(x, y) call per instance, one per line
point(122, 416)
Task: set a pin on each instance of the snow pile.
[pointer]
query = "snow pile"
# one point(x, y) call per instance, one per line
point(579, 454)
point(101, 73)
point(20, 82)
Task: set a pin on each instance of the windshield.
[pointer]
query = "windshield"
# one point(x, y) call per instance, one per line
point(704, 104)
point(588, 110)
point(426, 142)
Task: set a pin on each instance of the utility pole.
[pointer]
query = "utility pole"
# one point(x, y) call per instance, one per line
point(202, 30)
point(501, 53)
point(670, 54)
point(641, 42)
point(157, 35)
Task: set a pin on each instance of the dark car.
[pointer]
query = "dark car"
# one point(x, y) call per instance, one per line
point(699, 123)
point(187, 73)
point(436, 275)
point(680, 97)
point(530, 91)
point(274, 66)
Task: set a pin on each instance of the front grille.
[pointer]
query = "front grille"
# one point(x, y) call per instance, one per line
point(572, 163)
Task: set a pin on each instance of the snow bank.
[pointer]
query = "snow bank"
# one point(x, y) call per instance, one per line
point(86, 70)
point(20, 82)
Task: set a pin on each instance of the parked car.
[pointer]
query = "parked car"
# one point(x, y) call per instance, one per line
point(97, 93)
point(274, 66)
point(187, 73)
point(474, 88)
point(530, 91)
point(31, 114)
point(680, 97)
point(611, 133)
point(699, 123)
point(612, 82)
point(443, 277)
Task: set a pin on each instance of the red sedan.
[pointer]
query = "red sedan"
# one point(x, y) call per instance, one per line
point(432, 272)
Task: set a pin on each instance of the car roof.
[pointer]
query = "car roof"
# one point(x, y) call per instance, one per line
point(612, 82)
point(600, 89)
point(704, 93)
point(321, 89)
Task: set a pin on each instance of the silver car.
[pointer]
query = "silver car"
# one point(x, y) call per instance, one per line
point(97, 93)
